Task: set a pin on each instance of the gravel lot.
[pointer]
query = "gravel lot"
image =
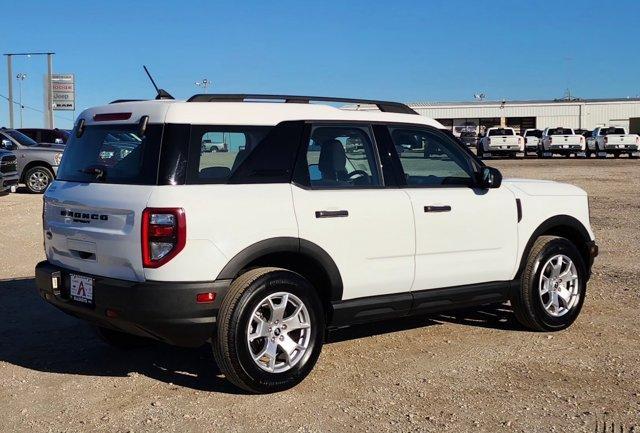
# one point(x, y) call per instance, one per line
point(464, 371)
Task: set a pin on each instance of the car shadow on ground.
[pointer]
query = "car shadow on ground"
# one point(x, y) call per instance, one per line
point(37, 336)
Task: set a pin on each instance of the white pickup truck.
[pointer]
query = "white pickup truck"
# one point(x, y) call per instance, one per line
point(532, 140)
point(500, 141)
point(563, 141)
point(614, 140)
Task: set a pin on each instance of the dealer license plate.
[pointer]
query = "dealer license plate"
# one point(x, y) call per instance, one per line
point(81, 289)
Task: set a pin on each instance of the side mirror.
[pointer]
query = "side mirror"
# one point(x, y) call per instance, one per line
point(8, 144)
point(490, 178)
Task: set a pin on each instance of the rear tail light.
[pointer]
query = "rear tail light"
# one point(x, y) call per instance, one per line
point(637, 140)
point(164, 233)
point(581, 140)
point(488, 141)
point(519, 140)
point(550, 140)
point(606, 139)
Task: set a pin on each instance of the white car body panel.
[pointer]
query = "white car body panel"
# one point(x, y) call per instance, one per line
point(114, 243)
point(474, 242)
point(373, 247)
point(222, 220)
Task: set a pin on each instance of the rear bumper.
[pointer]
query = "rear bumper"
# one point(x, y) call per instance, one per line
point(165, 311)
point(621, 148)
point(572, 148)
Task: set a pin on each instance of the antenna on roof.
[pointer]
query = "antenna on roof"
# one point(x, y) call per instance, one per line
point(161, 93)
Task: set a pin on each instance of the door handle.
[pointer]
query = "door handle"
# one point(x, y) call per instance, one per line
point(437, 208)
point(332, 213)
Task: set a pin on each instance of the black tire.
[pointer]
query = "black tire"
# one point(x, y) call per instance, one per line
point(43, 174)
point(230, 346)
point(121, 340)
point(526, 301)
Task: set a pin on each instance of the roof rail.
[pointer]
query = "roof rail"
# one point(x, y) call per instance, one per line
point(119, 101)
point(384, 106)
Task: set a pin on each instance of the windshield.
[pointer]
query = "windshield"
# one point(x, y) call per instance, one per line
point(560, 131)
point(20, 137)
point(609, 131)
point(536, 133)
point(501, 131)
point(112, 154)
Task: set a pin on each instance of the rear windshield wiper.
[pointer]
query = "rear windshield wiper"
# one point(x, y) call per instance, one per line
point(97, 171)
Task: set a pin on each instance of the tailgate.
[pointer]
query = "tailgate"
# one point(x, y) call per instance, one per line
point(504, 139)
point(95, 228)
point(566, 139)
point(621, 139)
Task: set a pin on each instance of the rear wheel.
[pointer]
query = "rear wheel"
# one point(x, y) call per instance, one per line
point(37, 179)
point(553, 286)
point(270, 330)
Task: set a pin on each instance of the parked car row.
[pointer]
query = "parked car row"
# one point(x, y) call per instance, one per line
point(546, 143)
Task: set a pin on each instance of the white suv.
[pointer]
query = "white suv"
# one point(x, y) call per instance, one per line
point(258, 250)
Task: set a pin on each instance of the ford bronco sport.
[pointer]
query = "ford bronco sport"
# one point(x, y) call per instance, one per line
point(258, 250)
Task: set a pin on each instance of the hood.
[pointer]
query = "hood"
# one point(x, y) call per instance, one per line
point(534, 187)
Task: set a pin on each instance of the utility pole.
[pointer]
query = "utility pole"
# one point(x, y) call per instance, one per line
point(20, 77)
point(49, 89)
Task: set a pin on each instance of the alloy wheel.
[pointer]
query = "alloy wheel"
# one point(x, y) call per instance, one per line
point(279, 332)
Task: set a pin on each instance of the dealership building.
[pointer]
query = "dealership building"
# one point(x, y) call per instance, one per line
point(476, 116)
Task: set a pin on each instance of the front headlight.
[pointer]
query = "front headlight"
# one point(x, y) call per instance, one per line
point(57, 158)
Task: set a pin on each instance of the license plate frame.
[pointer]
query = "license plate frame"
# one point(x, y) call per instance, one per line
point(81, 288)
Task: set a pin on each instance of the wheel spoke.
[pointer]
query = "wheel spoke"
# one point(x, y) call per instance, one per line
point(277, 310)
point(565, 295)
point(294, 321)
point(262, 328)
point(545, 285)
point(288, 346)
point(555, 302)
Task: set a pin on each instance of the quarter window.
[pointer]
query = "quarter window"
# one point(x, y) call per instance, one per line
point(431, 159)
point(341, 157)
point(222, 150)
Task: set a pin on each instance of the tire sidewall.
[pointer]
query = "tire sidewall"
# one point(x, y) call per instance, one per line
point(273, 282)
point(555, 247)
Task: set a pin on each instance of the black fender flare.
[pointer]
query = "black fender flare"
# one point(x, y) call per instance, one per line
point(557, 221)
point(286, 245)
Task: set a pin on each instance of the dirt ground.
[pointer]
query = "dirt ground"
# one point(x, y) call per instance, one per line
point(473, 370)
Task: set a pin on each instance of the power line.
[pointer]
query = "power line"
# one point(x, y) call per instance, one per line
point(36, 109)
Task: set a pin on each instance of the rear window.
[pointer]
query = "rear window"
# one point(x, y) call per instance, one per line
point(616, 131)
point(536, 133)
point(560, 131)
point(500, 131)
point(113, 154)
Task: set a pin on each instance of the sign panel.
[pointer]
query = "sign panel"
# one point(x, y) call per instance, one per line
point(63, 91)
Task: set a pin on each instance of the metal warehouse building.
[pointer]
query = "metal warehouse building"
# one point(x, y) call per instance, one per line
point(476, 116)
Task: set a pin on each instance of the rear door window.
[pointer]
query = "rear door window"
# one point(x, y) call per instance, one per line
point(112, 154)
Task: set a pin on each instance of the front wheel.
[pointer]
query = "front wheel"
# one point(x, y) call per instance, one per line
point(270, 330)
point(37, 179)
point(553, 286)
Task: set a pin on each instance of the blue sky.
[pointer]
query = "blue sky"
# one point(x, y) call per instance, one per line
point(399, 50)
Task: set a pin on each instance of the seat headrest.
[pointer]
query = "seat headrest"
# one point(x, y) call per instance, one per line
point(333, 159)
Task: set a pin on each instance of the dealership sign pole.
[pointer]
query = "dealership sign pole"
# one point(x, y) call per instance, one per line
point(48, 109)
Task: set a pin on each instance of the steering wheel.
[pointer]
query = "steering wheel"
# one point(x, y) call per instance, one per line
point(358, 174)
